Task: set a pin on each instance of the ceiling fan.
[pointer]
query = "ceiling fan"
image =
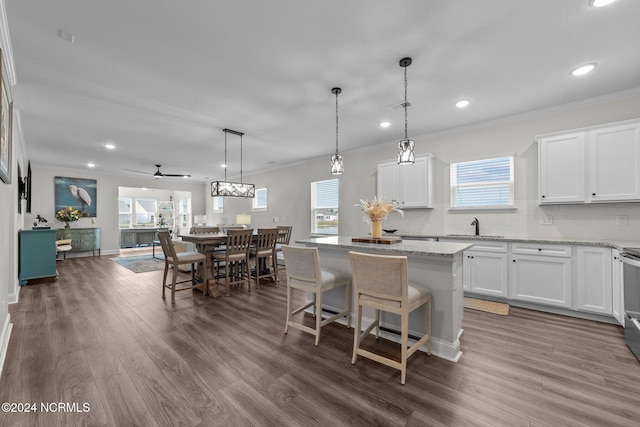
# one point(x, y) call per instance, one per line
point(158, 174)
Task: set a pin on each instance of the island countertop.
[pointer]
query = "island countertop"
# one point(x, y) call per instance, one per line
point(406, 247)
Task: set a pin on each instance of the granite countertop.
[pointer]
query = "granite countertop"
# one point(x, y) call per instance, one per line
point(616, 244)
point(406, 247)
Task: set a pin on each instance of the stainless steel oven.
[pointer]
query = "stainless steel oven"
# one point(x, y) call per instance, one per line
point(631, 260)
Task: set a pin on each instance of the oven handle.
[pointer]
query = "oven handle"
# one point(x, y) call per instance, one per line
point(631, 261)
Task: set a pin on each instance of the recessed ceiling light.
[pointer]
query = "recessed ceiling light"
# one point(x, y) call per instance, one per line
point(600, 3)
point(463, 103)
point(385, 124)
point(91, 165)
point(109, 146)
point(223, 165)
point(584, 69)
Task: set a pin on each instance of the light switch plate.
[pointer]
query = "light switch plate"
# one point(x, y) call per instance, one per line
point(546, 220)
point(622, 220)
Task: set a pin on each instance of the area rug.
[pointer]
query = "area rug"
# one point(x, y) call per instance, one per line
point(488, 306)
point(140, 264)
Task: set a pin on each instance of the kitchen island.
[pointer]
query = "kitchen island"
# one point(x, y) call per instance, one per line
point(436, 266)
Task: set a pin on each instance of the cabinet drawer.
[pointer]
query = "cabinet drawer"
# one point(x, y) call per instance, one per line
point(541, 249)
point(486, 246)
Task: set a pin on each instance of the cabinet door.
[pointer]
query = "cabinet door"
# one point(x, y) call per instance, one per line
point(593, 280)
point(485, 273)
point(388, 182)
point(541, 279)
point(617, 291)
point(614, 160)
point(415, 183)
point(561, 167)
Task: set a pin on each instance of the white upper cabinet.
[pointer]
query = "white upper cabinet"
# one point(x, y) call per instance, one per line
point(561, 160)
point(614, 169)
point(600, 164)
point(409, 185)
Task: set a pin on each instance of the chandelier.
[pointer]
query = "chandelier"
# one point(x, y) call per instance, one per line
point(406, 145)
point(232, 189)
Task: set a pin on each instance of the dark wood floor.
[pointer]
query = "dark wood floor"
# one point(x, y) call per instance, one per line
point(101, 334)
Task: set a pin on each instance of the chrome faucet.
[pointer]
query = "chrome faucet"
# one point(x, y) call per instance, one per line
point(477, 224)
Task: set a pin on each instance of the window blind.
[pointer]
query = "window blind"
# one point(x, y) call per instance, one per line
point(482, 183)
point(326, 194)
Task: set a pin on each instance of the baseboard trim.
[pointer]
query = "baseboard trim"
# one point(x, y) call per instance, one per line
point(14, 296)
point(4, 340)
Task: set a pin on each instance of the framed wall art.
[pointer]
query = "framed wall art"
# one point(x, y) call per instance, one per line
point(78, 193)
point(6, 121)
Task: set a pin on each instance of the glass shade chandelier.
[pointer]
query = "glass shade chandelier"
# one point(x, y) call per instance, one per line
point(337, 167)
point(232, 189)
point(406, 145)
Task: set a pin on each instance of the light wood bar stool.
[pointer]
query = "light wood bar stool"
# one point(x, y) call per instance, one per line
point(304, 273)
point(380, 282)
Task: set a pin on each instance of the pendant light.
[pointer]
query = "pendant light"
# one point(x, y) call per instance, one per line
point(337, 168)
point(232, 189)
point(405, 146)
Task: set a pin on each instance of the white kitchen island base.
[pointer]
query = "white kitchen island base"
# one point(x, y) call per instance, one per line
point(436, 266)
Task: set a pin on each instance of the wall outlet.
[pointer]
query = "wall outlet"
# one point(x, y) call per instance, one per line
point(622, 220)
point(276, 219)
point(546, 220)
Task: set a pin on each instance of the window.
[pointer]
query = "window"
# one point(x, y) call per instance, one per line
point(184, 213)
point(324, 206)
point(124, 212)
point(260, 199)
point(146, 211)
point(484, 183)
point(218, 204)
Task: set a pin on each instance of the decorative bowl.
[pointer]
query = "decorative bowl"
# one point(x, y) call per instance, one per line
point(390, 231)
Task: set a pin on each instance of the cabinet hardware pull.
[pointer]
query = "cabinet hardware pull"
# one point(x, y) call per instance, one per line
point(593, 194)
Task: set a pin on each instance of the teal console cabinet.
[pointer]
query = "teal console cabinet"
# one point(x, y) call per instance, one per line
point(82, 239)
point(37, 255)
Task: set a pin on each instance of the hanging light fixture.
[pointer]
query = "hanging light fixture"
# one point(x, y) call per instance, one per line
point(405, 146)
point(337, 168)
point(232, 189)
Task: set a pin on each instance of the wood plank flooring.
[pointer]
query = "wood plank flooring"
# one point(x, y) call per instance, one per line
point(102, 335)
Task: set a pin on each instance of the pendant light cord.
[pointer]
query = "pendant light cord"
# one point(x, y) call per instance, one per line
point(337, 92)
point(225, 156)
point(405, 102)
point(240, 158)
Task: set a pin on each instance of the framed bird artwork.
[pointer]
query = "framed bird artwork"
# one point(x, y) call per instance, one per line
point(78, 193)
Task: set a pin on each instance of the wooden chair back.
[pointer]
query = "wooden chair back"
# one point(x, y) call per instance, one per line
point(204, 230)
point(266, 241)
point(284, 234)
point(238, 243)
point(167, 245)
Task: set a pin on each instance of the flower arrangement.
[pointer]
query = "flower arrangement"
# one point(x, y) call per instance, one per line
point(378, 209)
point(68, 215)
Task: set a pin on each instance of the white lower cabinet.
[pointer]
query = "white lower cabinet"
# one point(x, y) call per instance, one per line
point(541, 279)
point(485, 269)
point(593, 281)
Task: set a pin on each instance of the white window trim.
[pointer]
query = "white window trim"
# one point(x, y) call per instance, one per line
point(315, 233)
point(253, 201)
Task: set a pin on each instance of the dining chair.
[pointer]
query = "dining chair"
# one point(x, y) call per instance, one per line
point(284, 236)
point(262, 252)
point(304, 273)
point(173, 259)
point(380, 282)
point(235, 258)
point(64, 246)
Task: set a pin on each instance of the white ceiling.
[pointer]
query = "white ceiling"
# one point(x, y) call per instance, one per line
point(162, 78)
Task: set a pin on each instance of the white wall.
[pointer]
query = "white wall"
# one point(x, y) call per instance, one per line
point(289, 187)
point(42, 201)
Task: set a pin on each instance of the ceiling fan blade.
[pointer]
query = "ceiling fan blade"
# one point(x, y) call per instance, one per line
point(133, 170)
point(174, 174)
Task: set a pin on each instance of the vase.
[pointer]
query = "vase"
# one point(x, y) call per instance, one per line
point(376, 229)
point(67, 225)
